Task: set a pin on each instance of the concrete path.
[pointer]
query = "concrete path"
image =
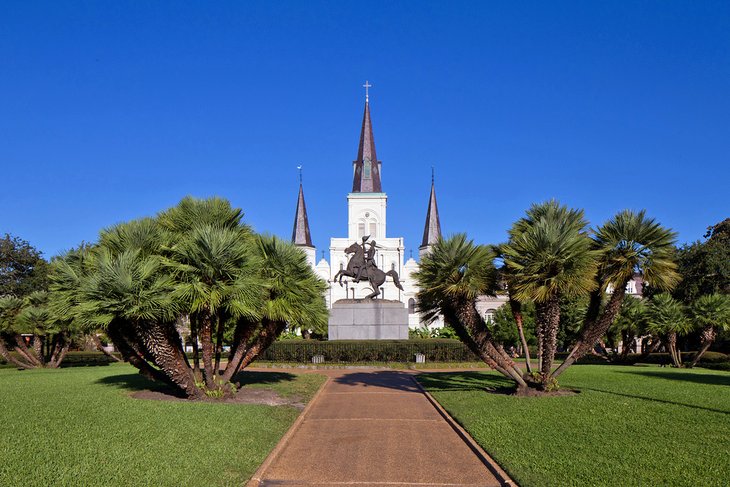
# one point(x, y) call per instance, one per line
point(376, 427)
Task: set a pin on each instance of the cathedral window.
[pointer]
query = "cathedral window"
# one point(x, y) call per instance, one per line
point(367, 169)
point(360, 230)
point(373, 229)
point(411, 306)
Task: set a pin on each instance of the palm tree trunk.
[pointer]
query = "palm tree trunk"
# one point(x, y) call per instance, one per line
point(206, 336)
point(60, 349)
point(516, 309)
point(194, 322)
point(22, 349)
point(164, 344)
point(548, 314)
point(241, 336)
point(476, 331)
point(708, 336)
point(218, 344)
point(269, 332)
point(100, 347)
point(134, 356)
point(594, 330)
point(38, 349)
point(12, 360)
point(672, 346)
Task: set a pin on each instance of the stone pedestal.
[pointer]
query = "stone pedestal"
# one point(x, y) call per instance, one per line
point(366, 319)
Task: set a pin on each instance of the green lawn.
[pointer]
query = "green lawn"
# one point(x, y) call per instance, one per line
point(627, 426)
point(78, 426)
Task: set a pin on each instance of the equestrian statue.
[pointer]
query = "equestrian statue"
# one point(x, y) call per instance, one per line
point(362, 266)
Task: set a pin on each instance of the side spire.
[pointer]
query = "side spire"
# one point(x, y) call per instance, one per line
point(366, 177)
point(432, 229)
point(300, 235)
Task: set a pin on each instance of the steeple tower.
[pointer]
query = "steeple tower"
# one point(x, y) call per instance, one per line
point(367, 167)
point(301, 236)
point(432, 229)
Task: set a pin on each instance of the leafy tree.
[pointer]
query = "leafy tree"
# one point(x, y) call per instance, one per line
point(705, 266)
point(505, 326)
point(22, 268)
point(666, 318)
point(708, 313)
point(196, 261)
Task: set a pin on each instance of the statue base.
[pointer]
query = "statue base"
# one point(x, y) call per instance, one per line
point(368, 319)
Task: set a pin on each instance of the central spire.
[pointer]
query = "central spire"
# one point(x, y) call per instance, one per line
point(367, 167)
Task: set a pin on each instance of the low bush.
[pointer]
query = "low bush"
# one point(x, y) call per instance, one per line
point(346, 351)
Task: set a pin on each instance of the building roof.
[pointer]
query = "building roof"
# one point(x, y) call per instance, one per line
point(367, 167)
point(432, 229)
point(301, 235)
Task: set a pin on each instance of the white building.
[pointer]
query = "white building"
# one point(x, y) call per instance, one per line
point(367, 205)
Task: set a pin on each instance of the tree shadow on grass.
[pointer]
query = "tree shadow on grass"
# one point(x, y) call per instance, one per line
point(246, 377)
point(685, 376)
point(465, 381)
point(137, 382)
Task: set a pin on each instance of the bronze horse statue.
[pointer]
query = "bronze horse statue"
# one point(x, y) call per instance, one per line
point(357, 265)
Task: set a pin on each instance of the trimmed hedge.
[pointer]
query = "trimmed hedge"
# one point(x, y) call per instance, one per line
point(354, 351)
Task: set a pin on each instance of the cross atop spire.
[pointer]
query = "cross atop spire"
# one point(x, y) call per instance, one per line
point(366, 86)
point(300, 174)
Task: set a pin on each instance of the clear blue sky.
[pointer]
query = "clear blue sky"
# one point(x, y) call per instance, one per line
point(115, 110)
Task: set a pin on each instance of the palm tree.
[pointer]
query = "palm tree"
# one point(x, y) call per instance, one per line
point(450, 279)
point(628, 244)
point(666, 318)
point(630, 322)
point(198, 260)
point(30, 316)
point(293, 297)
point(549, 256)
point(709, 313)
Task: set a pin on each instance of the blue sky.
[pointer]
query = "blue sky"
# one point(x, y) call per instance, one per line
point(116, 110)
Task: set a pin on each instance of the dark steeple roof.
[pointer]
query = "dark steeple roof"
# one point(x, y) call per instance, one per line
point(432, 230)
point(300, 235)
point(367, 166)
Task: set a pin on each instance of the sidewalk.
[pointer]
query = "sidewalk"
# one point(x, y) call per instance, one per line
point(376, 428)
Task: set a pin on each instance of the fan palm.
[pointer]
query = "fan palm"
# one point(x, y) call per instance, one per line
point(549, 256)
point(210, 265)
point(450, 278)
point(628, 244)
point(292, 296)
point(709, 313)
point(666, 318)
point(30, 316)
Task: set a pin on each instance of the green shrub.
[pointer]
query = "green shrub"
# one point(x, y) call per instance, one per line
point(346, 351)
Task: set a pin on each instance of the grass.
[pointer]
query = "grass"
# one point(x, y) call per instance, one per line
point(627, 426)
point(79, 426)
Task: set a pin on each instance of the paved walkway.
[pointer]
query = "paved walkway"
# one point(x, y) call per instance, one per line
point(375, 428)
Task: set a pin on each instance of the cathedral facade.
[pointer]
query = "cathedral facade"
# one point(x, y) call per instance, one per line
point(367, 205)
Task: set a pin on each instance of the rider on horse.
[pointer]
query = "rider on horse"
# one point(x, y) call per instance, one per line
point(369, 258)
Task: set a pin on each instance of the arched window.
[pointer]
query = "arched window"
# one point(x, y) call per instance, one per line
point(489, 315)
point(367, 169)
point(411, 306)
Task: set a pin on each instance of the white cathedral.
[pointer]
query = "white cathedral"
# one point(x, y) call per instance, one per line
point(367, 216)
